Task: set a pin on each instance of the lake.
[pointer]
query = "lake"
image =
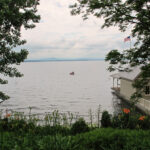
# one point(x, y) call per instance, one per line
point(48, 86)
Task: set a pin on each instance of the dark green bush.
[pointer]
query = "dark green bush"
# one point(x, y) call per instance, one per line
point(145, 123)
point(98, 139)
point(16, 125)
point(130, 121)
point(116, 122)
point(79, 126)
point(52, 130)
point(106, 119)
point(133, 122)
point(112, 139)
point(4, 124)
point(23, 135)
point(125, 120)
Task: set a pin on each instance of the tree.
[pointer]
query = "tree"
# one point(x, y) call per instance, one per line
point(123, 13)
point(14, 14)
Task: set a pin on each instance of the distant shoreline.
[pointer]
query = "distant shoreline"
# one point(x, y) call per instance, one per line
point(48, 60)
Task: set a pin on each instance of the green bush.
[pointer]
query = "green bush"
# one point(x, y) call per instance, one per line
point(116, 122)
point(16, 125)
point(52, 130)
point(130, 120)
point(127, 119)
point(98, 139)
point(106, 119)
point(24, 135)
point(79, 126)
point(145, 123)
point(112, 139)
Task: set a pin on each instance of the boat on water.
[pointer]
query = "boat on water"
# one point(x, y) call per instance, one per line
point(72, 73)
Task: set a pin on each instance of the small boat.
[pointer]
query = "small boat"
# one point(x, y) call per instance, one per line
point(71, 73)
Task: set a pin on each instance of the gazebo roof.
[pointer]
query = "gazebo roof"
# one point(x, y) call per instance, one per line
point(128, 75)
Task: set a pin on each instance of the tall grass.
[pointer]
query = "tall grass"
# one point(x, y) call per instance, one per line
point(54, 118)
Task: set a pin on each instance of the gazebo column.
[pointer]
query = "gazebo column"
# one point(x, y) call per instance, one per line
point(117, 82)
point(113, 82)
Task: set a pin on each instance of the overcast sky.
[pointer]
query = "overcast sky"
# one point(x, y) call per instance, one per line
point(60, 35)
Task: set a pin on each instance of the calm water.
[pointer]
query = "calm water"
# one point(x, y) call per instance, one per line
point(47, 86)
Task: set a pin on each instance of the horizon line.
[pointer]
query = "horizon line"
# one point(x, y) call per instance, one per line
point(62, 59)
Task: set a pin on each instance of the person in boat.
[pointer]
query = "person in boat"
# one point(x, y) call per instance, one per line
point(71, 73)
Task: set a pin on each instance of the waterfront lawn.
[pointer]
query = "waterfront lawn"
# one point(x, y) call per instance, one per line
point(60, 138)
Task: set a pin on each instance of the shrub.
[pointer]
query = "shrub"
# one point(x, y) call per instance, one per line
point(16, 125)
point(106, 119)
point(131, 120)
point(116, 122)
point(52, 130)
point(112, 139)
point(144, 122)
point(125, 120)
point(79, 127)
point(99, 139)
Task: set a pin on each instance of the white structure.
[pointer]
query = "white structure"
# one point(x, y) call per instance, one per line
point(122, 87)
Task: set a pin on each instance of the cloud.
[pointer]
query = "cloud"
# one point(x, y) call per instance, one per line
point(61, 35)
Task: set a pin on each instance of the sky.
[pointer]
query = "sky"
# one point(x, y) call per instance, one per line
point(60, 35)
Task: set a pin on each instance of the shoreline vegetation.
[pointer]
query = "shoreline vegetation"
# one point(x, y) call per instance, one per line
point(54, 118)
point(124, 131)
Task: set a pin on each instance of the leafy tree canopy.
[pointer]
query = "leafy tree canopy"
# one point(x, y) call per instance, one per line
point(123, 13)
point(14, 14)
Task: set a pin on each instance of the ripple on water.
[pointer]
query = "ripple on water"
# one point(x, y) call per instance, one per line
point(73, 102)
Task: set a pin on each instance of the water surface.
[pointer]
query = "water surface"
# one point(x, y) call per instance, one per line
point(47, 86)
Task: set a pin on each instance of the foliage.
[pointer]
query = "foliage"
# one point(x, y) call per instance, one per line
point(143, 122)
point(112, 139)
point(20, 133)
point(14, 14)
point(124, 14)
point(79, 127)
point(106, 119)
point(57, 118)
point(127, 119)
point(51, 130)
point(124, 121)
point(18, 122)
point(98, 139)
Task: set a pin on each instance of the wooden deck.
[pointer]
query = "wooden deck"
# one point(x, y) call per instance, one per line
point(116, 89)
